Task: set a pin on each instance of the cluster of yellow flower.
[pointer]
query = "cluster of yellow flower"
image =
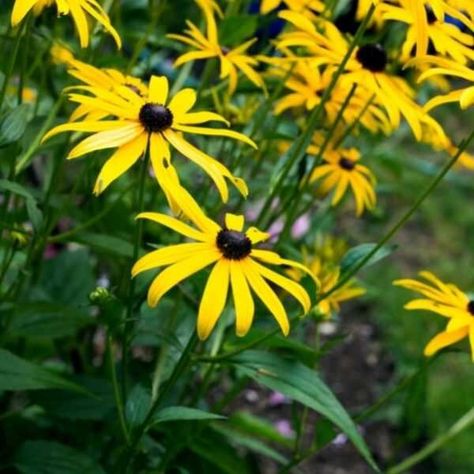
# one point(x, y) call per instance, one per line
point(141, 120)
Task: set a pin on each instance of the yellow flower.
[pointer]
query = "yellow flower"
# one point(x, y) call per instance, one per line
point(307, 84)
point(231, 60)
point(445, 38)
point(236, 264)
point(420, 15)
point(341, 171)
point(137, 121)
point(76, 8)
point(366, 68)
point(465, 95)
point(448, 301)
point(306, 7)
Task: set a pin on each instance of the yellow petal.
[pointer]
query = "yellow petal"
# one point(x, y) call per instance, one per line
point(176, 273)
point(201, 117)
point(266, 295)
point(243, 301)
point(444, 339)
point(80, 21)
point(234, 222)
point(120, 162)
point(21, 9)
point(88, 126)
point(158, 92)
point(213, 299)
point(182, 102)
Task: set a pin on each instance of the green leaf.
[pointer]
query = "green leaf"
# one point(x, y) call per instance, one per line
point(184, 414)
point(34, 213)
point(19, 374)
point(137, 407)
point(15, 188)
point(48, 457)
point(302, 384)
point(105, 243)
point(44, 319)
point(236, 29)
point(13, 124)
point(354, 255)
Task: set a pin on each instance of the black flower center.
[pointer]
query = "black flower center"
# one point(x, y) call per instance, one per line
point(470, 307)
point(346, 164)
point(372, 57)
point(233, 245)
point(155, 117)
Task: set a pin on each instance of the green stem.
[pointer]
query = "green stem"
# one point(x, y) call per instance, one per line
point(297, 151)
point(346, 277)
point(117, 397)
point(463, 423)
point(11, 64)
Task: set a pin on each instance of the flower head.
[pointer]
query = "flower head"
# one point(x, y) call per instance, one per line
point(130, 122)
point(237, 264)
point(232, 60)
point(447, 300)
point(78, 9)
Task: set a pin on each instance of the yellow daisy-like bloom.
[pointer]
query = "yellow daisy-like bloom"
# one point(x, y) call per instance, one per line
point(448, 301)
point(446, 67)
point(341, 171)
point(236, 264)
point(137, 121)
point(231, 60)
point(307, 84)
point(445, 38)
point(366, 68)
point(309, 8)
point(420, 14)
point(78, 9)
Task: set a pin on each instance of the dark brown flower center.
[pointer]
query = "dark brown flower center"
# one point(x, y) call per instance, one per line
point(346, 164)
point(234, 245)
point(155, 117)
point(470, 307)
point(372, 57)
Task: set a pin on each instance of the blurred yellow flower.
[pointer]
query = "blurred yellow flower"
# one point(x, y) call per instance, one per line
point(78, 9)
point(341, 171)
point(448, 301)
point(231, 60)
point(236, 264)
point(308, 8)
point(139, 122)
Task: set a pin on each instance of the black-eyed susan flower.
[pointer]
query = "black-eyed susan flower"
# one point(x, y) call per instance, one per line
point(367, 68)
point(444, 38)
point(132, 121)
point(231, 60)
point(341, 171)
point(237, 265)
point(78, 9)
point(421, 15)
point(447, 300)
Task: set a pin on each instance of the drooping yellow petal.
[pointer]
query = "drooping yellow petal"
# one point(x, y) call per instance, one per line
point(266, 295)
point(176, 273)
point(243, 301)
point(201, 117)
point(213, 299)
point(120, 162)
point(444, 339)
point(87, 126)
point(20, 10)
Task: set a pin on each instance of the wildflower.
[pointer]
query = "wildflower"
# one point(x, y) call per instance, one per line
point(421, 15)
point(231, 60)
point(465, 96)
point(137, 121)
point(76, 8)
point(444, 38)
point(447, 300)
point(340, 171)
point(307, 84)
point(366, 68)
point(236, 263)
